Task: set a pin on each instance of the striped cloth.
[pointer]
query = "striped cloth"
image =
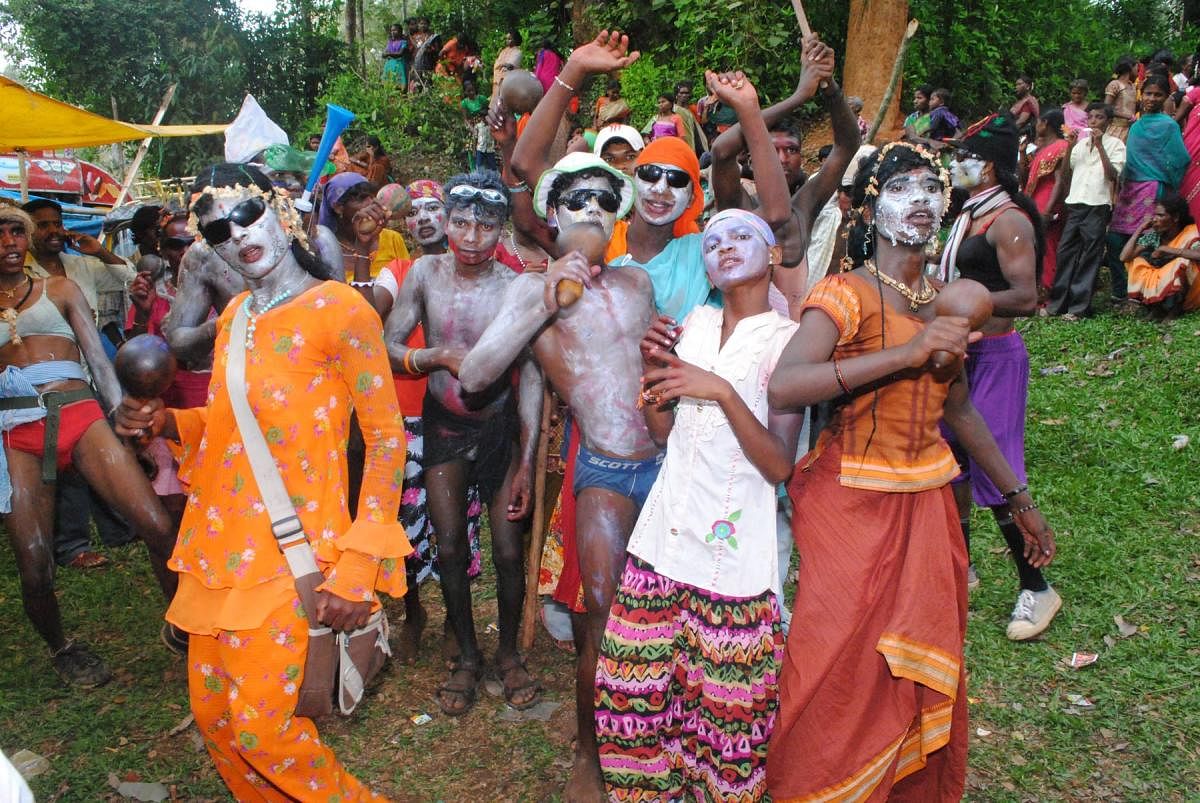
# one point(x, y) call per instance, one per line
point(686, 691)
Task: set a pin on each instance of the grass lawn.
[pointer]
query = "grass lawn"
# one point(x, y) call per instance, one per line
point(1124, 502)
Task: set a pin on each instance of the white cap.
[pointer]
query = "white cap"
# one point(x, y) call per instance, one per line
point(624, 132)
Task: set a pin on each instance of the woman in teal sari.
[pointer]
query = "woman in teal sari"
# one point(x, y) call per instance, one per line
point(1156, 159)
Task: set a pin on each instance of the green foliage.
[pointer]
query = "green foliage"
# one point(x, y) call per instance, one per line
point(977, 49)
point(424, 134)
point(90, 51)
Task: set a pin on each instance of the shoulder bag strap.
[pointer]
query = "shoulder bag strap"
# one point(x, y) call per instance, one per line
point(285, 524)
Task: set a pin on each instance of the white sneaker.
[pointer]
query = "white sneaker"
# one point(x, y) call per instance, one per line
point(972, 578)
point(1033, 613)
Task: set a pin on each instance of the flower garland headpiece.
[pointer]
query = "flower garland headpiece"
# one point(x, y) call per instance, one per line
point(277, 199)
point(935, 164)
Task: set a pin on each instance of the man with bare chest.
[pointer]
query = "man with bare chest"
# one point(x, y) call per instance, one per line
point(589, 353)
point(472, 435)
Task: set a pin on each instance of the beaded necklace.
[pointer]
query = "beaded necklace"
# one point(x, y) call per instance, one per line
point(283, 295)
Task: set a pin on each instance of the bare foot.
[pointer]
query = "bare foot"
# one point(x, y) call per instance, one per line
point(408, 643)
point(586, 784)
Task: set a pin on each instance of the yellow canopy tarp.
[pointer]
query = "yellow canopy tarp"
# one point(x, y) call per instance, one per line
point(32, 121)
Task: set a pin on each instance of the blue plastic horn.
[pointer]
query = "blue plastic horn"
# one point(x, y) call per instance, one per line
point(336, 121)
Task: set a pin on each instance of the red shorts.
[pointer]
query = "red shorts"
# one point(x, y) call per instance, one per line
point(74, 420)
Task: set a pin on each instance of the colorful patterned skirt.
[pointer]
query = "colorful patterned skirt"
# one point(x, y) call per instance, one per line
point(421, 565)
point(686, 691)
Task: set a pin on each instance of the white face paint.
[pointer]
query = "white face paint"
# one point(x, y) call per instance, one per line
point(659, 203)
point(426, 221)
point(734, 253)
point(910, 207)
point(966, 172)
point(591, 212)
point(254, 250)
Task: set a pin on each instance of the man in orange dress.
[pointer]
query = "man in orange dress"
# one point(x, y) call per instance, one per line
point(237, 597)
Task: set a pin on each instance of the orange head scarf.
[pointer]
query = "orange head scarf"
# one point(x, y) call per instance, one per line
point(674, 151)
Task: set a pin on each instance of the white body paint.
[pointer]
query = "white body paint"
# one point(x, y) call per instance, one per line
point(966, 173)
point(910, 207)
point(426, 221)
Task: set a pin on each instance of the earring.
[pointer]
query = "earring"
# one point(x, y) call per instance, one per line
point(868, 239)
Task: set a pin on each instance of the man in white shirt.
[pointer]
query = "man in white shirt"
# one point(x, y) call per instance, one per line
point(1089, 178)
point(100, 274)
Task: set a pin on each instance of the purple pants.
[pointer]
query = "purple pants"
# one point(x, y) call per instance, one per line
point(998, 386)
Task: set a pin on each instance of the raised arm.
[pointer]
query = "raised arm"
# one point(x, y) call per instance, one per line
point(604, 54)
point(736, 91)
point(504, 131)
point(120, 268)
point(846, 140)
point(1131, 245)
point(726, 173)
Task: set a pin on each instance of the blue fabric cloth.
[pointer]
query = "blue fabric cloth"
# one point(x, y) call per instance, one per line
point(677, 275)
point(16, 382)
point(943, 123)
point(1155, 151)
point(630, 478)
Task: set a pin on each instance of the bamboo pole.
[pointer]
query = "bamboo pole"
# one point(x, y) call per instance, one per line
point(23, 167)
point(893, 82)
point(537, 535)
point(131, 173)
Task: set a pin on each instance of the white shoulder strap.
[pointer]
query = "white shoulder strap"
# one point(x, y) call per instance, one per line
point(285, 524)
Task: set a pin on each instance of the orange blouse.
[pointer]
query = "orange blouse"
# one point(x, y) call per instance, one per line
point(890, 438)
point(315, 359)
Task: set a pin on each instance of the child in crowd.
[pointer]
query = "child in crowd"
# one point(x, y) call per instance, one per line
point(1090, 174)
point(1075, 110)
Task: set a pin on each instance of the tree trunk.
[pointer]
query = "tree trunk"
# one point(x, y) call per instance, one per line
point(351, 22)
point(582, 30)
point(873, 35)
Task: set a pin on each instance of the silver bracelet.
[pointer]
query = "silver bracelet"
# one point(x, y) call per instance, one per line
point(564, 84)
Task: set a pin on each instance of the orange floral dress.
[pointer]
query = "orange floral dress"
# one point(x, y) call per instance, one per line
point(315, 359)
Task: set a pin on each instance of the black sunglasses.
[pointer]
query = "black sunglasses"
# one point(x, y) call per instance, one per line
point(244, 214)
point(177, 242)
point(675, 178)
point(578, 199)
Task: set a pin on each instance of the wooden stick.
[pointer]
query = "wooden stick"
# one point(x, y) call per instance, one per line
point(893, 82)
point(805, 28)
point(23, 166)
point(801, 17)
point(537, 534)
point(127, 184)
